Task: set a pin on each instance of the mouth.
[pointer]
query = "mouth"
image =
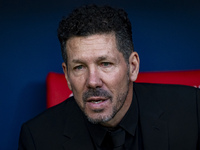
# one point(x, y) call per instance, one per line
point(97, 102)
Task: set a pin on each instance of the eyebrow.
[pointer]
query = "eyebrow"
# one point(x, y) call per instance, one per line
point(76, 61)
point(101, 58)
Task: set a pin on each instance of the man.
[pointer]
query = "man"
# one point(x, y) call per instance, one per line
point(109, 111)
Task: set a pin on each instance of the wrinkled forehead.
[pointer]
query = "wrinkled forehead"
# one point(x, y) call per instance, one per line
point(97, 46)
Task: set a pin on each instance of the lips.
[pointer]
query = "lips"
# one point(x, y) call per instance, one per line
point(96, 99)
point(97, 102)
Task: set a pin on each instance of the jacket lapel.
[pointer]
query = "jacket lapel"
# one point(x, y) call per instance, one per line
point(154, 132)
point(152, 119)
point(75, 130)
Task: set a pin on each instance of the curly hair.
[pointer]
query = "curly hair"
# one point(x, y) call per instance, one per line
point(92, 19)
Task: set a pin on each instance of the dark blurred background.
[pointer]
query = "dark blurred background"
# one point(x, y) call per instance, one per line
point(166, 35)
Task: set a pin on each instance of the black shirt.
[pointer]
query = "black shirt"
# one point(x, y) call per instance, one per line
point(129, 123)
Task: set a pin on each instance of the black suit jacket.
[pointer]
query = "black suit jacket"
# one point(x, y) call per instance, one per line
point(169, 119)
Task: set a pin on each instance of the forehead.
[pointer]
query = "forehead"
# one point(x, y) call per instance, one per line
point(93, 44)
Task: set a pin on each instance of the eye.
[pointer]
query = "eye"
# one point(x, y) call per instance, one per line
point(106, 64)
point(78, 67)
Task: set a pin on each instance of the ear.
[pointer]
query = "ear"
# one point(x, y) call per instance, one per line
point(134, 63)
point(65, 70)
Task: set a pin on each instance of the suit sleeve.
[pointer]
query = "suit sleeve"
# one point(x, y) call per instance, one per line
point(198, 114)
point(25, 139)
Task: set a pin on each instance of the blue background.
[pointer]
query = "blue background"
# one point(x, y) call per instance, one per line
point(166, 35)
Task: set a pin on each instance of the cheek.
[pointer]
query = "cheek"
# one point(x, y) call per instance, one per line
point(117, 82)
point(77, 93)
point(77, 85)
point(119, 78)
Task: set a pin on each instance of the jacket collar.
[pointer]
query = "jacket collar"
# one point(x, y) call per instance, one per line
point(75, 131)
point(152, 118)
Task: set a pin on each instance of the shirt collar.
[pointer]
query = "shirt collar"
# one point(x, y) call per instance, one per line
point(130, 120)
point(97, 132)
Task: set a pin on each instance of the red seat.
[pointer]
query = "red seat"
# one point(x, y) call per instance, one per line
point(58, 91)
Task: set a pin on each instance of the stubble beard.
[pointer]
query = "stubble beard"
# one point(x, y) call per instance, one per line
point(102, 118)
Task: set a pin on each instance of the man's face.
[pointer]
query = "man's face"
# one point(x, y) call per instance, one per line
point(98, 76)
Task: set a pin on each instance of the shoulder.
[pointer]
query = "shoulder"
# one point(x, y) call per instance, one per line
point(46, 130)
point(166, 94)
point(164, 88)
point(169, 109)
point(53, 116)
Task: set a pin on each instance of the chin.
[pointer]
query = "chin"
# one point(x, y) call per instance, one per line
point(100, 117)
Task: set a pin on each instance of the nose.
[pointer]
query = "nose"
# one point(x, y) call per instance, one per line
point(93, 79)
